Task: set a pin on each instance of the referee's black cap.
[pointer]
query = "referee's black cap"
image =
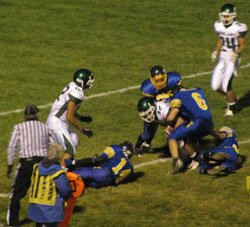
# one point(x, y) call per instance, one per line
point(31, 109)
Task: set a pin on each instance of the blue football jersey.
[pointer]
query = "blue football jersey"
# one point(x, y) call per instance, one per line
point(192, 103)
point(149, 90)
point(117, 162)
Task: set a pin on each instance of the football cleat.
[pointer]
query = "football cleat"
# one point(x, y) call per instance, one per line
point(220, 156)
point(193, 165)
point(84, 78)
point(216, 170)
point(228, 112)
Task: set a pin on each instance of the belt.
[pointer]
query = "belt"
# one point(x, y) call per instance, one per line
point(35, 158)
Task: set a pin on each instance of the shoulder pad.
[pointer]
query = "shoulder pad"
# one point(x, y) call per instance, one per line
point(148, 88)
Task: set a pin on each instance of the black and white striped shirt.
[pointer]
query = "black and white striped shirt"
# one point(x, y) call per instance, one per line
point(31, 138)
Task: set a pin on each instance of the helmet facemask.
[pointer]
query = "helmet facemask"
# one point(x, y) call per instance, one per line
point(159, 81)
point(148, 115)
point(90, 83)
point(127, 148)
point(227, 18)
point(84, 78)
point(228, 14)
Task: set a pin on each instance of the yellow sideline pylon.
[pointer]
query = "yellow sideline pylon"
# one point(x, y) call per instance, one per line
point(248, 186)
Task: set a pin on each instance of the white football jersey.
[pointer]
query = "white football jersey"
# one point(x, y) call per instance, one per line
point(162, 110)
point(229, 36)
point(70, 92)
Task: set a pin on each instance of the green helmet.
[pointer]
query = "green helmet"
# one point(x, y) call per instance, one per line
point(84, 78)
point(228, 14)
point(146, 109)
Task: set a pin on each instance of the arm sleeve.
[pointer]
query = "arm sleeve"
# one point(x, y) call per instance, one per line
point(243, 30)
point(84, 162)
point(99, 160)
point(13, 145)
point(95, 161)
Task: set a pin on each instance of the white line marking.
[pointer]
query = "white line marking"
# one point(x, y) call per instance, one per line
point(113, 92)
point(2, 195)
point(153, 162)
point(243, 142)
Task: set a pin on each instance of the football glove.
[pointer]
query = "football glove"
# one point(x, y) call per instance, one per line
point(86, 119)
point(214, 55)
point(9, 170)
point(87, 132)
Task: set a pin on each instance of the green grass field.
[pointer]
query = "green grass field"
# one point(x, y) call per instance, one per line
point(43, 43)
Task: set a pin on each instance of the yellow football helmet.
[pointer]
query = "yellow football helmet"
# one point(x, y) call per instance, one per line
point(158, 77)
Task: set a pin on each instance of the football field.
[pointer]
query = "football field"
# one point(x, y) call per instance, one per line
point(44, 42)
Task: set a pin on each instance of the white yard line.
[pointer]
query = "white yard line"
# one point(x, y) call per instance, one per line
point(113, 92)
point(143, 164)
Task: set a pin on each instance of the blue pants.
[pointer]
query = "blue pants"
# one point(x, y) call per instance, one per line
point(96, 177)
point(230, 163)
point(193, 130)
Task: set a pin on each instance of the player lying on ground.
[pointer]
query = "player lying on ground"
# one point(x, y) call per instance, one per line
point(110, 168)
point(224, 158)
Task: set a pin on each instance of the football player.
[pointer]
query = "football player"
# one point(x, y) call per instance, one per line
point(63, 113)
point(192, 106)
point(224, 158)
point(158, 81)
point(154, 112)
point(109, 168)
point(231, 43)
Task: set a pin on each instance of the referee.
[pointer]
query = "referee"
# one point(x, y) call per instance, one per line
point(32, 139)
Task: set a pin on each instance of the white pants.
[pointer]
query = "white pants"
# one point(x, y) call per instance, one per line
point(64, 133)
point(222, 74)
